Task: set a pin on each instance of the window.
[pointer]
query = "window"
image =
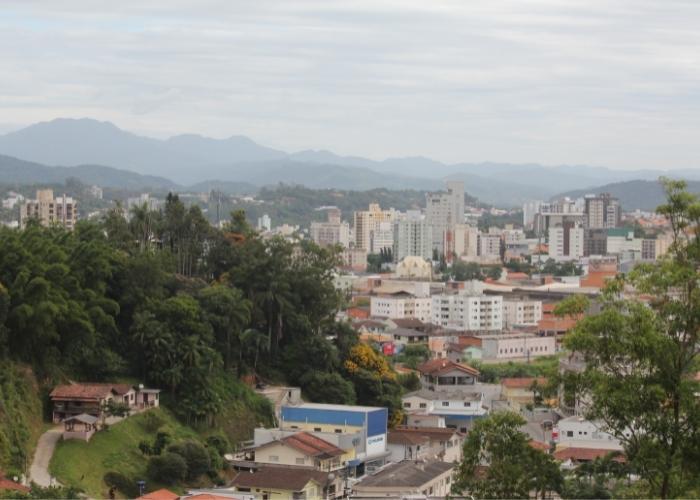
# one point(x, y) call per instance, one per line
point(467, 403)
point(407, 405)
point(317, 429)
point(301, 461)
point(274, 458)
point(569, 433)
point(423, 405)
point(445, 403)
point(339, 431)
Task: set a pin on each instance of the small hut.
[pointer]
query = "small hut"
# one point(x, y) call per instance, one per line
point(81, 426)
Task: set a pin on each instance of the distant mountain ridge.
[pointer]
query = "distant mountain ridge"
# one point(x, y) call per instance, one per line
point(238, 161)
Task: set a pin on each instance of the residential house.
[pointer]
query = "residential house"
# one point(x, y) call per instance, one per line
point(75, 399)
point(269, 482)
point(407, 478)
point(425, 443)
point(518, 392)
point(302, 448)
point(439, 374)
point(458, 407)
point(577, 432)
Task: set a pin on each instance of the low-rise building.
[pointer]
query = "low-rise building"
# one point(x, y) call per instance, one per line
point(76, 399)
point(367, 424)
point(458, 407)
point(516, 346)
point(413, 267)
point(577, 432)
point(518, 391)
point(277, 481)
point(438, 374)
point(406, 478)
point(425, 443)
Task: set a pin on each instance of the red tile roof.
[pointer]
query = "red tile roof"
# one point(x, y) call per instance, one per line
point(538, 445)
point(312, 445)
point(584, 454)
point(161, 494)
point(432, 433)
point(440, 365)
point(8, 485)
point(88, 391)
point(279, 478)
point(522, 382)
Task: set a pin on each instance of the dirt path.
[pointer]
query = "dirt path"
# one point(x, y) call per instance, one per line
point(39, 471)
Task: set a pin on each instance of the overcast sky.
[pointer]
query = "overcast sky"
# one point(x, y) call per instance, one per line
point(613, 83)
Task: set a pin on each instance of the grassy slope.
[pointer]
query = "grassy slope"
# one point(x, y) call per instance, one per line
point(81, 464)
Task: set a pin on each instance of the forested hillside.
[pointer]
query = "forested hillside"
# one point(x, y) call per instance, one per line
point(166, 299)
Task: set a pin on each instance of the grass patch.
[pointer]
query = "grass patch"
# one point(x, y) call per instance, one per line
point(545, 366)
point(83, 465)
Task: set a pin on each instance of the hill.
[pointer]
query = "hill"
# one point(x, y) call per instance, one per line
point(240, 163)
point(637, 194)
point(14, 171)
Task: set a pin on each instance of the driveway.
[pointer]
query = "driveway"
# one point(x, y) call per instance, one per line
point(39, 471)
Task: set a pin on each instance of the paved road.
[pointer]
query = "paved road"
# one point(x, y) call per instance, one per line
point(39, 471)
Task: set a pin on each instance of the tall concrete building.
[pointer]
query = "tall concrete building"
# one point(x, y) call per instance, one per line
point(466, 241)
point(367, 225)
point(602, 211)
point(466, 311)
point(412, 237)
point(444, 210)
point(49, 211)
point(556, 214)
point(332, 232)
point(530, 210)
point(566, 242)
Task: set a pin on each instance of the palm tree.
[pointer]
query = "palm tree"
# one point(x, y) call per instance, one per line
point(255, 341)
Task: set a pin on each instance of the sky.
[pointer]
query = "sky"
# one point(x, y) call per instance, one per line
point(608, 83)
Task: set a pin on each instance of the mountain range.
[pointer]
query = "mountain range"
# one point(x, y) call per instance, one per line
point(238, 163)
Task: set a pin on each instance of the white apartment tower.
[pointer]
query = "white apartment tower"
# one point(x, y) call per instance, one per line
point(566, 242)
point(444, 211)
point(332, 232)
point(49, 211)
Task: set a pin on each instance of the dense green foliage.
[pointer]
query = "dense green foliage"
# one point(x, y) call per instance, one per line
point(513, 469)
point(20, 418)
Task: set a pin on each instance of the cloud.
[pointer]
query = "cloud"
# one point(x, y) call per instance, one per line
point(553, 81)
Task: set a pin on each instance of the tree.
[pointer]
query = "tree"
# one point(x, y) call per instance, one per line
point(466, 271)
point(168, 468)
point(255, 342)
point(195, 455)
point(327, 387)
point(498, 461)
point(641, 358)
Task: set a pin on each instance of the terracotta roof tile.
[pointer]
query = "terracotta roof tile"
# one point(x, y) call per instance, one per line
point(161, 494)
point(82, 391)
point(584, 454)
point(312, 445)
point(440, 365)
point(522, 382)
point(280, 477)
point(8, 485)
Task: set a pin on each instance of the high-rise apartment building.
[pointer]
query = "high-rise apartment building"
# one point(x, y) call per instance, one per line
point(444, 210)
point(367, 226)
point(602, 211)
point(566, 242)
point(466, 241)
point(49, 211)
point(332, 232)
point(530, 210)
point(412, 237)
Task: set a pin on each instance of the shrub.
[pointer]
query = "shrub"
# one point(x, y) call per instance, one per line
point(168, 468)
point(219, 442)
point(151, 421)
point(195, 455)
point(122, 483)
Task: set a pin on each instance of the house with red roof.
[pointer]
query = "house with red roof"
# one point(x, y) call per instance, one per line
point(7, 485)
point(76, 399)
point(302, 449)
point(444, 374)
